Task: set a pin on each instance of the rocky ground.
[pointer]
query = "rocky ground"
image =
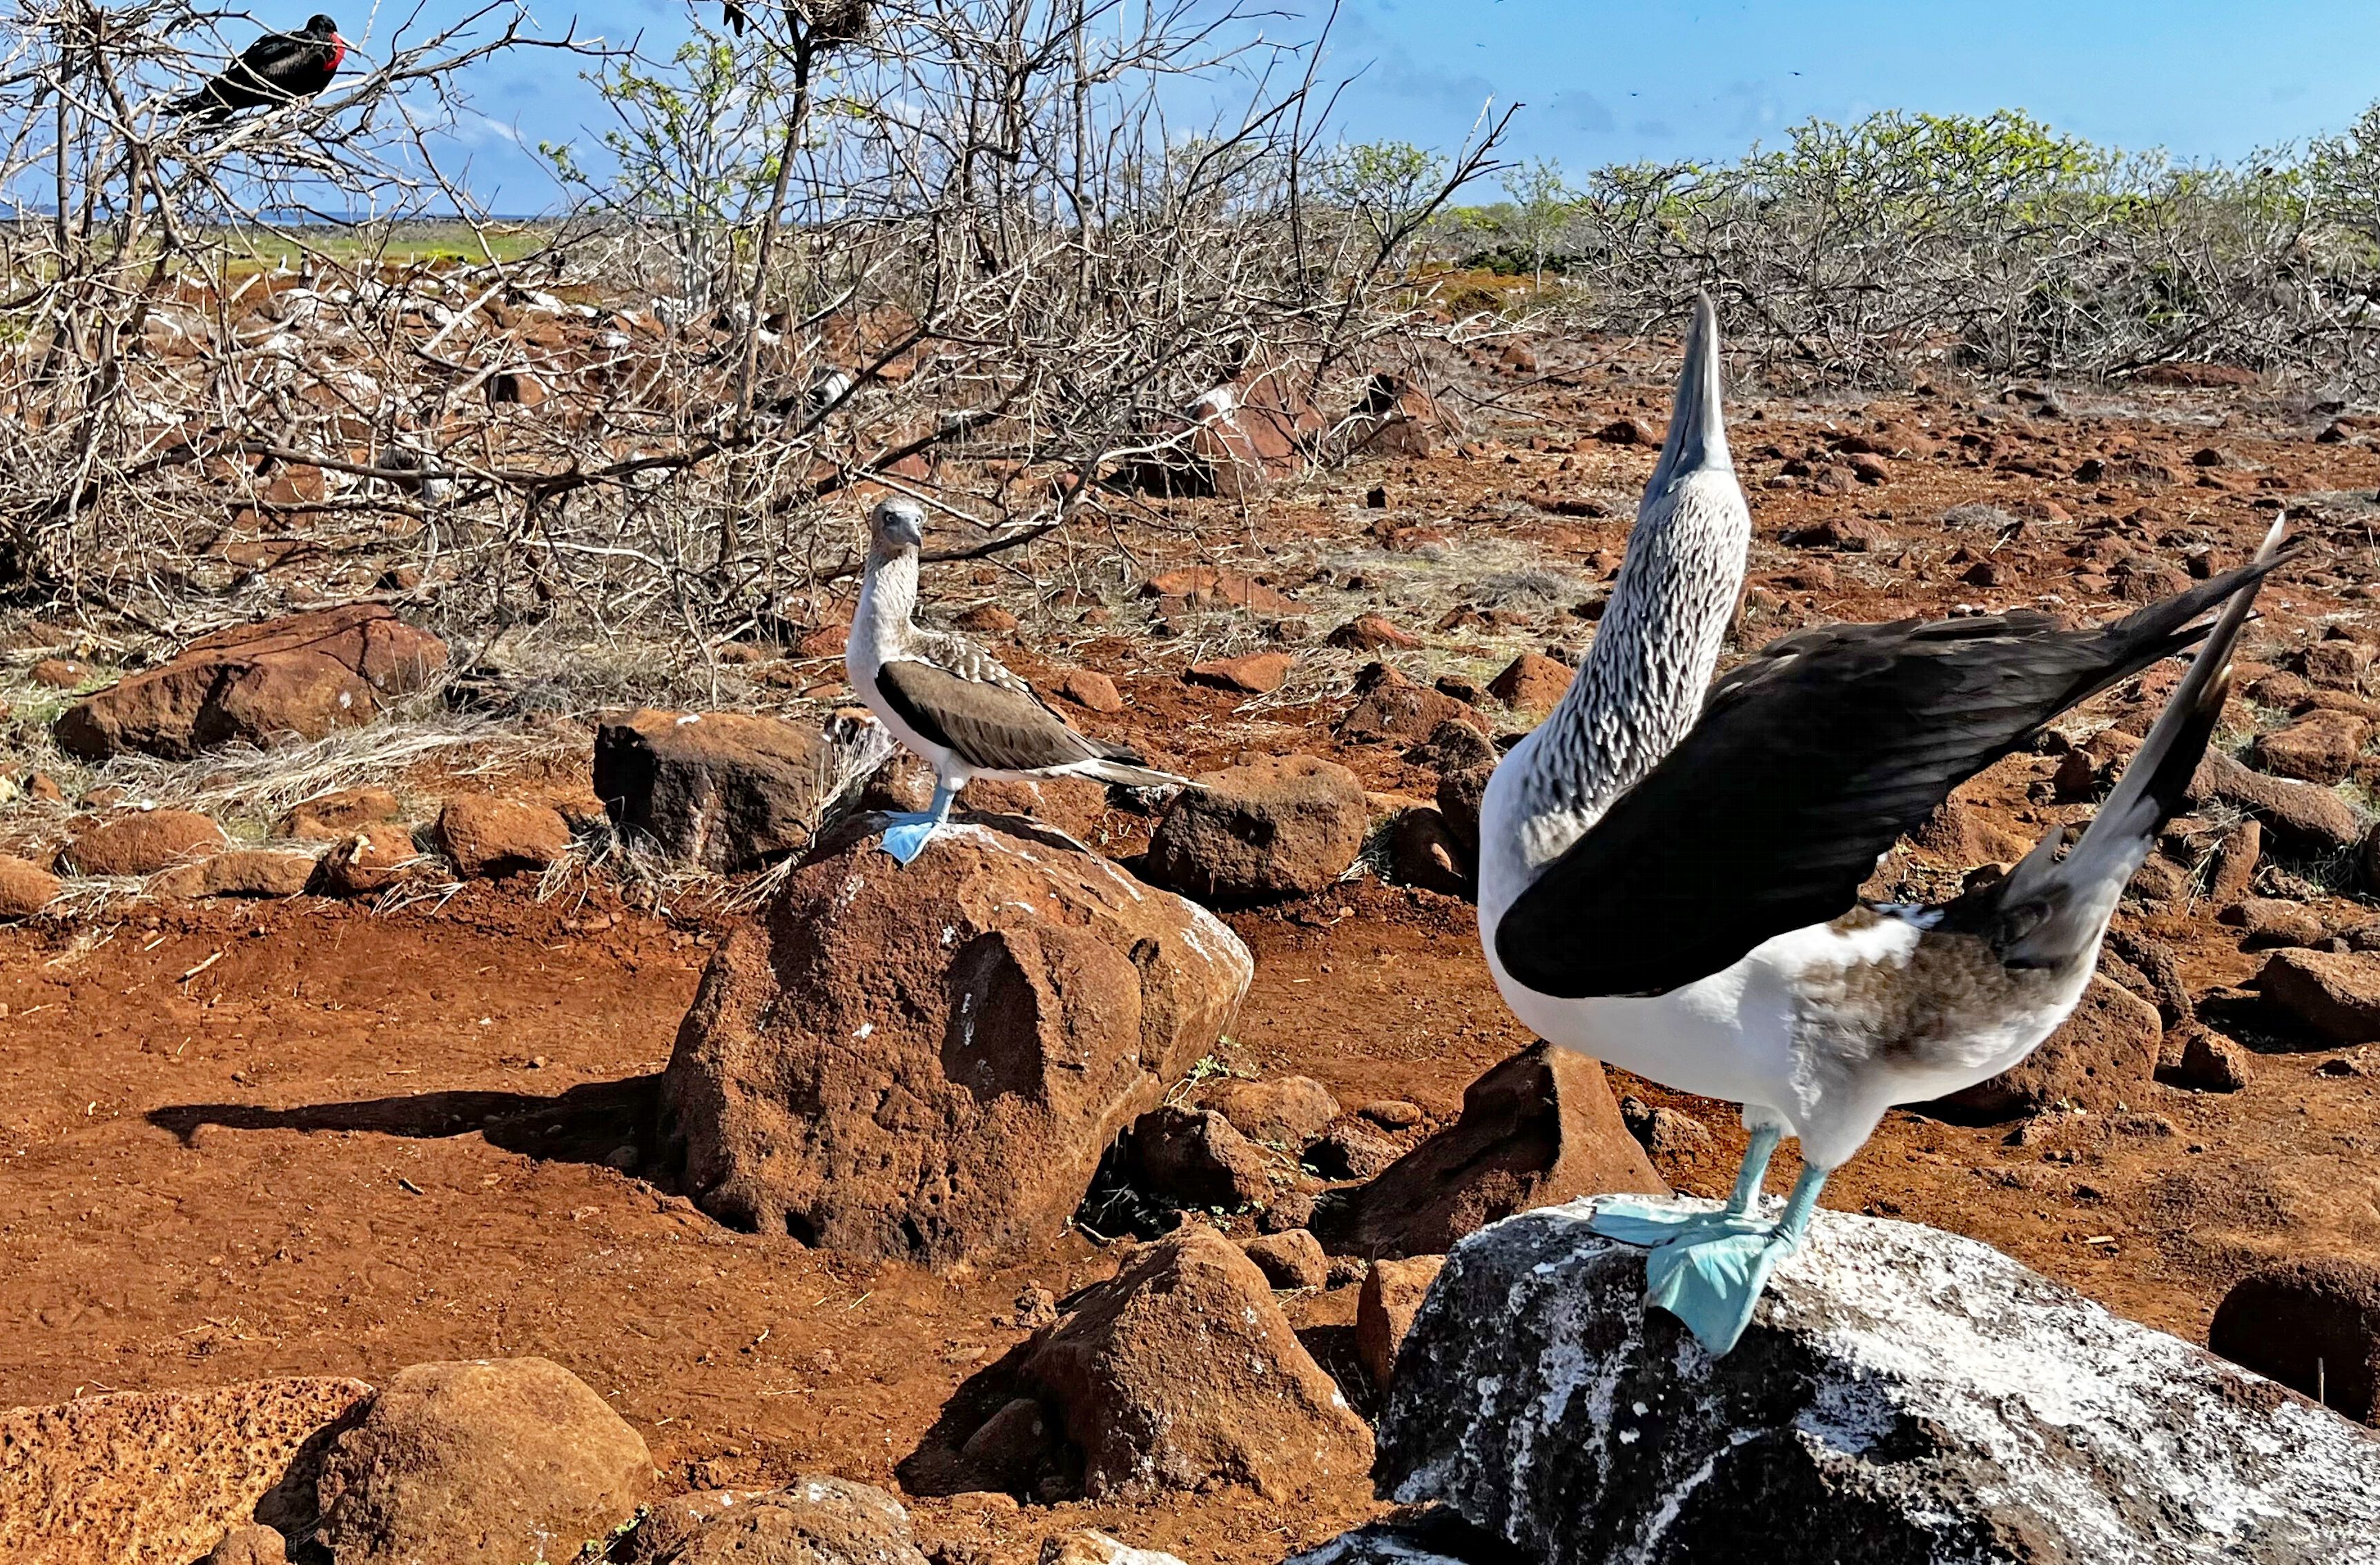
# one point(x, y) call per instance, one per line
point(366, 1053)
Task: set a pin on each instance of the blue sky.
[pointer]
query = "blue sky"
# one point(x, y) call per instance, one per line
point(1606, 82)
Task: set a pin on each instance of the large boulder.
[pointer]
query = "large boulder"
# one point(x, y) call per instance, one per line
point(1537, 1129)
point(1281, 826)
point(2103, 1055)
point(1902, 1396)
point(301, 675)
point(2300, 818)
point(2312, 1324)
point(488, 1460)
point(161, 1474)
point(1181, 1372)
point(929, 1061)
point(488, 838)
point(242, 872)
point(812, 1520)
point(2336, 993)
point(724, 790)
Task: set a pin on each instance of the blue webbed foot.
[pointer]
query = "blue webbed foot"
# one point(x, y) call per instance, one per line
point(1713, 1283)
point(1655, 1223)
point(905, 839)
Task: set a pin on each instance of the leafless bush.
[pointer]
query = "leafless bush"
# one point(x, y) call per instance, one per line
point(958, 250)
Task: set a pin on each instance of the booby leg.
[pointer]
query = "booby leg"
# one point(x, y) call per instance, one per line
point(1652, 1224)
point(905, 839)
point(1712, 1284)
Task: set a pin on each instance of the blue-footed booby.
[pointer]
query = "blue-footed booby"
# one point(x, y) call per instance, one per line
point(949, 699)
point(1670, 880)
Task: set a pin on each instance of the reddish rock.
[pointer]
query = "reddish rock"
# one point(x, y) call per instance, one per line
point(721, 790)
point(60, 673)
point(811, 1521)
point(986, 619)
point(1959, 833)
point(142, 1475)
point(1090, 690)
point(1460, 794)
point(1285, 1111)
point(2236, 858)
point(826, 640)
point(487, 838)
point(25, 889)
point(249, 1545)
point(2300, 817)
point(2266, 922)
point(2335, 993)
point(1392, 1294)
point(488, 1460)
point(927, 1062)
point(1181, 1372)
point(1389, 707)
point(2103, 1054)
point(2211, 1063)
point(1627, 431)
point(1870, 468)
point(1256, 673)
point(2314, 1325)
point(375, 859)
point(1531, 682)
point(1077, 805)
point(239, 873)
point(1292, 1258)
point(1396, 418)
point(1282, 826)
point(1537, 1129)
point(2336, 665)
point(1423, 852)
point(1351, 1151)
point(1454, 746)
point(141, 844)
point(1203, 587)
point(1371, 633)
point(1196, 1156)
point(330, 817)
point(2320, 746)
point(302, 675)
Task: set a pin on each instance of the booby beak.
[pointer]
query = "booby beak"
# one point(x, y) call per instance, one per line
point(1697, 426)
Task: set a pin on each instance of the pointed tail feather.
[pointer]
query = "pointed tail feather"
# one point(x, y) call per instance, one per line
point(2065, 902)
point(1110, 771)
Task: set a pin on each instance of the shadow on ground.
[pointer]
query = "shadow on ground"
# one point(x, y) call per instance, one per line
point(586, 1124)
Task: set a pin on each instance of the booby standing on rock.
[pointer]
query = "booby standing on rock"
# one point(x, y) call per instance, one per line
point(1672, 885)
point(949, 699)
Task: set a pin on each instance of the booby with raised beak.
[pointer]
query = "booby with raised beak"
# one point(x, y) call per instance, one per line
point(952, 701)
point(1671, 883)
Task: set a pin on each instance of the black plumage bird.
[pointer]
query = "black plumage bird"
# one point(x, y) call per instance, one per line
point(278, 68)
point(824, 24)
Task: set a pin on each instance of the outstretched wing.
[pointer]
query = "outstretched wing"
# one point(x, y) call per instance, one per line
point(1807, 764)
point(991, 727)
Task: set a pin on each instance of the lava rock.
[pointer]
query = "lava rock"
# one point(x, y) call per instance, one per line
point(301, 675)
point(249, 1545)
point(1539, 1128)
point(1423, 852)
point(1902, 1396)
point(1292, 1258)
point(1531, 682)
point(141, 844)
point(811, 1521)
point(1181, 1372)
point(1280, 826)
point(2105, 1053)
point(1351, 1151)
point(25, 889)
point(1371, 633)
point(163, 1474)
point(1090, 690)
point(1389, 707)
point(1285, 1111)
point(239, 873)
point(2236, 858)
point(328, 817)
point(1393, 1295)
point(2336, 994)
point(2301, 817)
point(2320, 746)
point(2312, 1324)
point(724, 790)
point(1453, 746)
point(2211, 1063)
point(1257, 673)
point(2265, 922)
point(1195, 1156)
point(1459, 795)
point(375, 859)
point(491, 838)
point(483, 1461)
point(929, 1063)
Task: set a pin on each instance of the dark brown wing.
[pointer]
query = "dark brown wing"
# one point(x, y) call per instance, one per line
point(1806, 766)
point(990, 727)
